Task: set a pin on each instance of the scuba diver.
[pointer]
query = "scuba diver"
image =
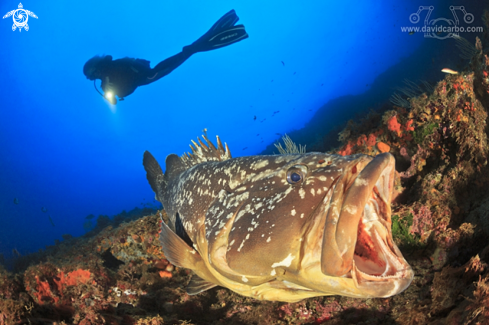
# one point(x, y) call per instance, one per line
point(121, 77)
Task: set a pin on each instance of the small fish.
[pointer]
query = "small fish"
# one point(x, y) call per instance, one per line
point(449, 71)
point(90, 216)
point(51, 220)
point(294, 72)
point(16, 201)
point(321, 227)
point(277, 133)
point(283, 63)
point(411, 32)
point(258, 134)
point(254, 119)
point(245, 148)
point(15, 252)
point(44, 209)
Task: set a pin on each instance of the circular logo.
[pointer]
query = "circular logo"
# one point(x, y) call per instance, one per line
point(442, 23)
point(20, 18)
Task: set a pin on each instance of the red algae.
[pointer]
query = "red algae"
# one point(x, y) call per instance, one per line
point(72, 278)
point(393, 125)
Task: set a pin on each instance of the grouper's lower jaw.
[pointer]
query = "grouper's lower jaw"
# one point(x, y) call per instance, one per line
point(374, 262)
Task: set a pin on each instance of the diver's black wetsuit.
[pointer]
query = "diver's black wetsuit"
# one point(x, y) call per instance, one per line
point(122, 76)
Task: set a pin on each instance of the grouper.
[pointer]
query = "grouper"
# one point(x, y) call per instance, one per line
point(280, 227)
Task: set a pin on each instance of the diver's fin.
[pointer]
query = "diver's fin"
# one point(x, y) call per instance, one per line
point(226, 21)
point(227, 37)
point(221, 34)
point(198, 285)
point(154, 174)
point(174, 166)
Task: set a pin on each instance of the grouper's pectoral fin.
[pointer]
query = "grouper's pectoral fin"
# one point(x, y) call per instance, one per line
point(182, 255)
point(198, 285)
point(176, 249)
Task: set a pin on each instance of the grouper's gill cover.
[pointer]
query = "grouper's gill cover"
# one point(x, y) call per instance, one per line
point(281, 227)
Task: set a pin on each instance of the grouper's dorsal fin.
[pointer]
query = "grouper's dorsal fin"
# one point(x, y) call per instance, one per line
point(174, 167)
point(154, 174)
point(203, 152)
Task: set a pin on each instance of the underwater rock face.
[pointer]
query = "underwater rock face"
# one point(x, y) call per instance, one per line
point(480, 215)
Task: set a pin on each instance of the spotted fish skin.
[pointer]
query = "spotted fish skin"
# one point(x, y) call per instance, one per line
point(281, 227)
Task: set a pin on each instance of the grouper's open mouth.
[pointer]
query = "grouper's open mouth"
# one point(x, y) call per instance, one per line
point(374, 263)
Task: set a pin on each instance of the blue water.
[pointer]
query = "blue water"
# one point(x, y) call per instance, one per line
point(63, 147)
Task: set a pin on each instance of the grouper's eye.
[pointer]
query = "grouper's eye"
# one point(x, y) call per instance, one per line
point(296, 174)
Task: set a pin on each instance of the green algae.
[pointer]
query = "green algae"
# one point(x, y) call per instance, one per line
point(401, 232)
point(427, 130)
